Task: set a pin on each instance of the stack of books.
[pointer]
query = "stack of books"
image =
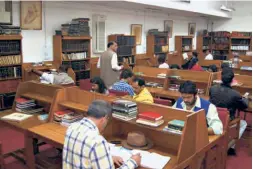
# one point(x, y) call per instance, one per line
point(27, 106)
point(161, 75)
point(175, 126)
point(124, 110)
point(68, 119)
point(60, 114)
point(150, 119)
point(154, 85)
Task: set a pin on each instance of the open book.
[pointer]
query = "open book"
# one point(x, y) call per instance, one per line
point(147, 158)
point(16, 117)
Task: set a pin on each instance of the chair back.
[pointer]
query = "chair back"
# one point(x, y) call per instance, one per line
point(163, 102)
point(85, 84)
point(224, 117)
point(117, 93)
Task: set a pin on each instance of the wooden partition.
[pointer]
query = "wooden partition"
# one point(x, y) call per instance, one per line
point(150, 74)
point(206, 63)
point(45, 94)
point(179, 147)
point(201, 78)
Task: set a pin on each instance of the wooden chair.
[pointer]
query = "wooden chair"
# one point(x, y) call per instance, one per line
point(224, 117)
point(233, 128)
point(163, 102)
point(1, 157)
point(85, 84)
point(117, 93)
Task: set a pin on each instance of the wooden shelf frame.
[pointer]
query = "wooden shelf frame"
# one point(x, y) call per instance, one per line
point(180, 50)
point(151, 43)
point(58, 51)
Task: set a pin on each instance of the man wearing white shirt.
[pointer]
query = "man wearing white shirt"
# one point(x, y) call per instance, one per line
point(108, 64)
point(209, 56)
point(189, 100)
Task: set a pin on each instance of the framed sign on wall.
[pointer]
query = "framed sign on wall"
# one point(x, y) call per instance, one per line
point(6, 12)
point(31, 15)
point(136, 30)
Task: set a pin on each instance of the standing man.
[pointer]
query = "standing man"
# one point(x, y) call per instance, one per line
point(108, 64)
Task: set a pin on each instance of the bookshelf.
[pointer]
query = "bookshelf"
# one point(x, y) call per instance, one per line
point(157, 45)
point(10, 68)
point(183, 44)
point(74, 52)
point(240, 42)
point(203, 43)
point(126, 48)
point(220, 45)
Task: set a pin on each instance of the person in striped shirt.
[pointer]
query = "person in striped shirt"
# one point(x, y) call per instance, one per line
point(124, 84)
point(85, 147)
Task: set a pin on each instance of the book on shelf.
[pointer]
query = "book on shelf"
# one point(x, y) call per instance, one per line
point(176, 125)
point(124, 103)
point(151, 116)
point(150, 123)
point(123, 117)
point(31, 109)
point(10, 72)
point(18, 117)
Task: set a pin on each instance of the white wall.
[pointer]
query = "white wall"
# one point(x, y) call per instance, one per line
point(38, 44)
point(241, 18)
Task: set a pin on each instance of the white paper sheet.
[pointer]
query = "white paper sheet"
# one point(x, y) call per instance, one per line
point(147, 158)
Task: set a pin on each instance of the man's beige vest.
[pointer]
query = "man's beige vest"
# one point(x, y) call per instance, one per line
point(109, 75)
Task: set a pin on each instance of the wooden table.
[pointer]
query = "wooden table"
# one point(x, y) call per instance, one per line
point(54, 134)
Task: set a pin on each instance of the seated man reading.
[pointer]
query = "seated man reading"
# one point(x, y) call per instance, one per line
point(85, 147)
point(124, 84)
point(141, 92)
point(189, 100)
point(59, 78)
point(225, 96)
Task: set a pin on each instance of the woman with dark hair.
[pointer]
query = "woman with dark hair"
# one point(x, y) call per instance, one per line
point(193, 65)
point(98, 86)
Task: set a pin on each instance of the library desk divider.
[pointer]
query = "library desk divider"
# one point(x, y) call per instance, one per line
point(45, 94)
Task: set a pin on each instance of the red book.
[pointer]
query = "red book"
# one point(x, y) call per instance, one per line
point(152, 116)
point(62, 113)
point(21, 100)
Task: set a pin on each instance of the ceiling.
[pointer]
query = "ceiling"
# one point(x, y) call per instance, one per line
point(147, 8)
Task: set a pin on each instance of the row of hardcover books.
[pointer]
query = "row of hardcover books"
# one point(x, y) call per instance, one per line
point(10, 72)
point(77, 65)
point(10, 60)
point(12, 46)
point(125, 40)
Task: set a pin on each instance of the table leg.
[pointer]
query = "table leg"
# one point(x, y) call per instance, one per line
point(29, 151)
